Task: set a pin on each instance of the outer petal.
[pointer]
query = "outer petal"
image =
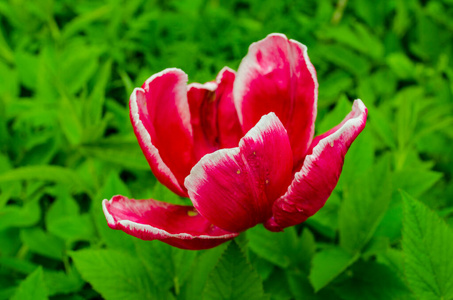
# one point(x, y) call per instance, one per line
point(161, 119)
point(235, 188)
point(277, 75)
point(177, 225)
point(314, 183)
point(213, 115)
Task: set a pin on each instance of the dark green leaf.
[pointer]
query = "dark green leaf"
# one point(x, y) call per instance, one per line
point(114, 274)
point(233, 278)
point(428, 249)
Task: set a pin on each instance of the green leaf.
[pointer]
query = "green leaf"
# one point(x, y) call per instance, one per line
point(233, 278)
point(63, 175)
point(32, 288)
point(43, 243)
point(428, 250)
point(328, 264)
point(382, 126)
point(345, 58)
point(373, 281)
point(114, 239)
point(365, 203)
point(27, 66)
point(59, 282)
point(72, 228)
point(277, 285)
point(16, 216)
point(94, 104)
point(69, 120)
point(401, 65)
point(203, 266)
point(17, 265)
point(114, 274)
point(78, 63)
point(168, 266)
point(416, 182)
point(359, 159)
point(283, 249)
point(325, 221)
point(123, 153)
point(335, 84)
point(357, 37)
point(335, 116)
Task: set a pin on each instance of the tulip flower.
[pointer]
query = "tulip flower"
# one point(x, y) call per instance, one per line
point(242, 148)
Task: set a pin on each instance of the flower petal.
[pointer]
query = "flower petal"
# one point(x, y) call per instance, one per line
point(230, 130)
point(213, 115)
point(235, 188)
point(203, 110)
point(177, 225)
point(277, 75)
point(161, 119)
point(314, 183)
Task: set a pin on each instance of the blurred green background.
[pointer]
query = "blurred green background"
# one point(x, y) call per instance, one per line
point(67, 69)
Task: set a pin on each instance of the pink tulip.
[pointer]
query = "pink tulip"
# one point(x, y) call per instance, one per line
point(241, 148)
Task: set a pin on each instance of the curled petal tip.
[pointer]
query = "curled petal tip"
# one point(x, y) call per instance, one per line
point(319, 174)
point(177, 225)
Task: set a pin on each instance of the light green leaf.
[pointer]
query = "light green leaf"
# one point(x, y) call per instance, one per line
point(43, 243)
point(284, 249)
point(346, 59)
point(47, 173)
point(328, 264)
point(114, 274)
point(16, 216)
point(365, 203)
point(73, 228)
point(335, 116)
point(233, 278)
point(359, 159)
point(32, 288)
point(59, 282)
point(428, 251)
point(114, 239)
point(94, 104)
point(401, 65)
point(416, 182)
point(126, 154)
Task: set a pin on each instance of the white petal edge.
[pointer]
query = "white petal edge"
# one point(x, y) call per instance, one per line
point(159, 232)
point(329, 140)
point(145, 136)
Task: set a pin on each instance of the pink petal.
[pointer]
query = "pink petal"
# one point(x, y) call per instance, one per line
point(203, 111)
point(177, 225)
point(161, 119)
point(230, 130)
point(213, 116)
point(314, 183)
point(235, 188)
point(277, 75)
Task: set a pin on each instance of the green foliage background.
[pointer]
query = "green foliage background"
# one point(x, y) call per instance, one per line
point(67, 69)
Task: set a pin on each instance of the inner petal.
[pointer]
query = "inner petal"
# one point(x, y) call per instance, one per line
point(235, 188)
